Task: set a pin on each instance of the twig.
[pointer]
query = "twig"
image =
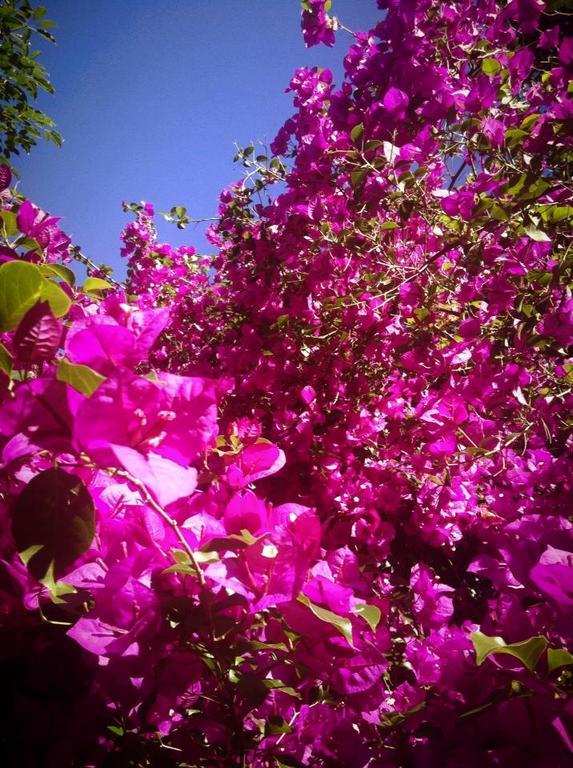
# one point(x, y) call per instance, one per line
point(165, 516)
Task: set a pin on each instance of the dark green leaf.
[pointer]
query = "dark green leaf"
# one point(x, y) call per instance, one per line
point(56, 513)
point(9, 223)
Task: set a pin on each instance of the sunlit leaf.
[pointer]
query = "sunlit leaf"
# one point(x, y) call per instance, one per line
point(20, 287)
point(370, 613)
point(58, 270)
point(527, 651)
point(341, 623)
point(58, 299)
point(81, 377)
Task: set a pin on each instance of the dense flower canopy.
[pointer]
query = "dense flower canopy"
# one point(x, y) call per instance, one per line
point(308, 503)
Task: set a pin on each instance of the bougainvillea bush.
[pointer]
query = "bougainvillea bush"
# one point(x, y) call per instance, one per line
point(308, 502)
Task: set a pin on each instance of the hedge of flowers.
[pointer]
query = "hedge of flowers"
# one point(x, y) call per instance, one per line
point(308, 503)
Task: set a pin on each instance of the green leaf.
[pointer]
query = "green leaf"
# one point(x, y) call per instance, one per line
point(356, 132)
point(490, 66)
point(341, 623)
point(206, 557)
point(224, 543)
point(93, 284)
point(555, 213)
point(57, 589)
point(558, 657)
point(514, 136)
point(287, 761)
point(58, 270)
point(498, 213)
point(29, 553)
point(54, 512)
point(81, 377)
point(517, 187)
point(5, 360)
point(279, 685)
point(389, 225)
point(180, 556)
point(275, 724)
point(528, 122)
point(358, 176)
point(9, 223)
point(257, 645)
point(527, 651)
point(57, 298)
point(535, 190)
point(20, 287)
point(536, 234)
point(370, 613)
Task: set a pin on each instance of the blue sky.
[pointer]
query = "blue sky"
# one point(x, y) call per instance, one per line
point(150, 97)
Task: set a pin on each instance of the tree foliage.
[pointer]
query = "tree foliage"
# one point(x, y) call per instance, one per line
point(23, 78)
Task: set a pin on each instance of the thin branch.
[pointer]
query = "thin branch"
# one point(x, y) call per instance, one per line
point(165, 516)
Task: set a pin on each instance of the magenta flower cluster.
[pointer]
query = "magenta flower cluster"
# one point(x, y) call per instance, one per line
point(308, 503)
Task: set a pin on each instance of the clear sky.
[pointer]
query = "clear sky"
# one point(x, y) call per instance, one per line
point(151, 95)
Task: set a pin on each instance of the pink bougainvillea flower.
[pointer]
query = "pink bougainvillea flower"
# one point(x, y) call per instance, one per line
point(433, 605)
point(173, 416)
point(553, 575)
point(125, 610)
point(254, 462)
point(396, 102)
point(316, 24)
point(5, 177)
point(104, 343)
point(245, 512)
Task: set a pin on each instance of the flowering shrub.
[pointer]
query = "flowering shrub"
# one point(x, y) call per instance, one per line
point(308, 503)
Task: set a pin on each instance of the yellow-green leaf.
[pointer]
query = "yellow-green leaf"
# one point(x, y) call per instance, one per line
point(356, 132)
point(81, 377)
point(95, 284)
point(5, 360)
point(536, 234)
point(341, 623)
point(527, 651)
point(555, 213)
point(20, 288)
point(9, 223)
point(370, 613)
point(58, 270)
point(57, 298)
point(490, 66)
